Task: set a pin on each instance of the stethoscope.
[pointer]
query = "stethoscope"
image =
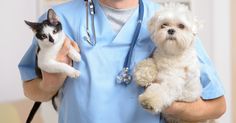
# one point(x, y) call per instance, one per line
point(124, 76)
point(90, 8)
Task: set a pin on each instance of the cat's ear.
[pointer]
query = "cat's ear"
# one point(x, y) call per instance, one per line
point(52, 17)
point(33, 25)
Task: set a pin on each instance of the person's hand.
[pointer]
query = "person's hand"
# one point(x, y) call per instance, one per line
point(177, 108)
point(63, 53)
point(53, 81)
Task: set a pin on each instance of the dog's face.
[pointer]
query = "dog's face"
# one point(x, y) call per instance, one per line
point(173, 29)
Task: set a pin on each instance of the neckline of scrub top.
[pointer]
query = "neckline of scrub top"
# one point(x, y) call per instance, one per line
point(125, 35)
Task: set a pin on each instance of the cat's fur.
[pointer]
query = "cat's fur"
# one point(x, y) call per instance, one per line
point(50, 39)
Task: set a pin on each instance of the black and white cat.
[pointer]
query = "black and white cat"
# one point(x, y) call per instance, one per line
point(50, 38)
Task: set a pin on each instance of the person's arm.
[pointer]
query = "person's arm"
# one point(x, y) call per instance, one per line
point(199, 110)
point(44, 89)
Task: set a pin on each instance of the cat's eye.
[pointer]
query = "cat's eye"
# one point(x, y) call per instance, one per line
point(55, 31)
point(43, 36)
point(164, 25)
point(181, 26)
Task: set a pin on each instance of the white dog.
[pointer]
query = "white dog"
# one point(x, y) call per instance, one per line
point(173, 73)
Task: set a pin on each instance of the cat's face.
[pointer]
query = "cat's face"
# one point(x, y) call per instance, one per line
point(49, 31)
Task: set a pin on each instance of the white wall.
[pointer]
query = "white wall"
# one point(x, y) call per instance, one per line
point(222, 50)
point(217, 41)
point(15, 39)
point(203, 10)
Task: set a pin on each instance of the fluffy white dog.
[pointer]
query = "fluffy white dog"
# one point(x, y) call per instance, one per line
point(173, 73)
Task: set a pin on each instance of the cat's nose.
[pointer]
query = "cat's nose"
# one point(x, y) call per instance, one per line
point(51, 39)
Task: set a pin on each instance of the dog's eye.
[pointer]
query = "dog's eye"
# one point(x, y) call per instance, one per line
point(164, 25)
point(181, 26)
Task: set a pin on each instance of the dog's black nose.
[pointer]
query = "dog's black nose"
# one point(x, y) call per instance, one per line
point(171, 31)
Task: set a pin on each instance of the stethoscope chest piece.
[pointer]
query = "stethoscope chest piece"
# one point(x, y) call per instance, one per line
point(124, 77)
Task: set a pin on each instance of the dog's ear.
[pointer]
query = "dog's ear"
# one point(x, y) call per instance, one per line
point(197, 24)
point(152, 24)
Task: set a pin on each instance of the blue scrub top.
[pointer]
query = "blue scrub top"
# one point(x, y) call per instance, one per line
point(95, 97)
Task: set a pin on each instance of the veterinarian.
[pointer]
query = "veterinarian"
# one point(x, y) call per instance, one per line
point(96, 97)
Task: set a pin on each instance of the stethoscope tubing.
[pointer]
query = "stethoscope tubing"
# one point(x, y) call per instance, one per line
point(125, 76)
point(135, 37)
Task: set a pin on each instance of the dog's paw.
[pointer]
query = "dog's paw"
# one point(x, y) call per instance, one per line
point(74, 74)
point(152, 100)
point(141, 78)
point(145, 72)
point(143, 83)
point(145, 103)
point(152, 104)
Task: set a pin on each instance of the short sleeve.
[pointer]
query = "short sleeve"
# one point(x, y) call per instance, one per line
point(211, 83)
point(27, 64)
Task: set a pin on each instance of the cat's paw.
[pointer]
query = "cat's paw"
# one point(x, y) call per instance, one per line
point(74, 55)
point(74, 74)
point(77, 57)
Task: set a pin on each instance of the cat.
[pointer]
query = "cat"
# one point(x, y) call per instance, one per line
point(50, 39)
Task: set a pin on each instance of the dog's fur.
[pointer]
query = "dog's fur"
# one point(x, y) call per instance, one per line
point(173, 73)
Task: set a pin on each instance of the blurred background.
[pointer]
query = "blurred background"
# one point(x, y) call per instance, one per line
point(218, 36)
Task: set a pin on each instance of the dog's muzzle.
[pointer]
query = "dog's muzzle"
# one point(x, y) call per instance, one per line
point(171, 38)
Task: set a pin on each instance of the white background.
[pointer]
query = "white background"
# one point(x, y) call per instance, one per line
point(16, 38)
